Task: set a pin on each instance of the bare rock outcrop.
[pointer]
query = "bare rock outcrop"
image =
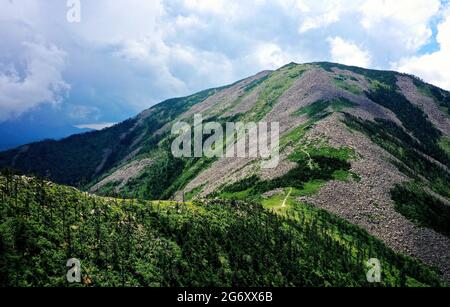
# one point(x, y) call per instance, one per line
point(122, 175)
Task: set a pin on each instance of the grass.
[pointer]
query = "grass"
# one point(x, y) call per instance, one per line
point(377, 78)
point(255, 83)
point(309, 188)
point(445, 110)
point(189, 195)
point(108, 189)
point(338, 105)
point(343, 153)
point(341, 175)
point(315, 110)
point(275, 203)
point(436, 94)
point(241, 195)
point(444, 143)
point(294, 136)
point(423, 89)
point(322, 108)
point(342, 82)
point(273, 88)
point(375, 84)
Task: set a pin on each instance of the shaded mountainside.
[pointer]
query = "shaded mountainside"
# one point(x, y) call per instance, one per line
point(372, 147)
point(80, 158)
point(203, 243)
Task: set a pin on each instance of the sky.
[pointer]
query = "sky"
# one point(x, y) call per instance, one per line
point(89, 64)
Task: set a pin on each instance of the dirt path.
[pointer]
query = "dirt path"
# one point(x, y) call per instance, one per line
point(310, 160)
point(285, 199)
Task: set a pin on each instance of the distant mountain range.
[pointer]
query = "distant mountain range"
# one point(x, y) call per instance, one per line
point(369, 146)
point(15, 133)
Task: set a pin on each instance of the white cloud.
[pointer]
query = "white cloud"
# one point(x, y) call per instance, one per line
point(321, 17)
point(169, 63)
point(40, 82)
point(320, 21)
point(300, 5)
point(433, 67)
point(348, 53)
point(106, 22)
point(271, 56)
point(216, 6)
point(134, 53)
point(404, 20)
point(96, 126)
point(82, 112)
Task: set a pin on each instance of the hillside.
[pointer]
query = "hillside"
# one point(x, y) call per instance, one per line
point(162, 243)
point(372, 147)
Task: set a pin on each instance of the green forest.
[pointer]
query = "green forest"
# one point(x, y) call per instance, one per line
point(163, 243)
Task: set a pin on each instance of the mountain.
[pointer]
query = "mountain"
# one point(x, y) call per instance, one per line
point(372, 147)
point(15, 133)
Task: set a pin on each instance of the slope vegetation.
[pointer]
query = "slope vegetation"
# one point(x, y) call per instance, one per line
point(209, 243)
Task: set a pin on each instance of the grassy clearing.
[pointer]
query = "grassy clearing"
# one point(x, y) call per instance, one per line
point(295, 135)
point(275, 202)
point(444, 143)
point(322, 108)
point(193, 192)
point(310, 188)
point(375, 84)
point(343, 153)
point(342, 82)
